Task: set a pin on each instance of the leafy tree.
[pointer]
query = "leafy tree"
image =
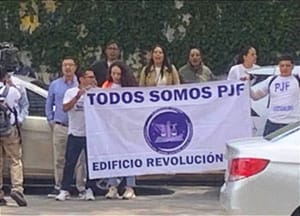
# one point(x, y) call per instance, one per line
point(52, 29)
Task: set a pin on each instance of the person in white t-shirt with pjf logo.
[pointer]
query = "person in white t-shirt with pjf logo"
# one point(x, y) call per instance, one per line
point(284, 96)
point(73, 104)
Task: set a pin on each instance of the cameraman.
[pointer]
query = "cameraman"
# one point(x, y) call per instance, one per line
point(9, 58)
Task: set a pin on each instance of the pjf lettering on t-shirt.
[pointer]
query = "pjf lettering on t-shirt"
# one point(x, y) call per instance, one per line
point(281, 87)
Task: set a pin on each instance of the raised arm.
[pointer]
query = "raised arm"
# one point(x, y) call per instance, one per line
point(260, 90)
point(70, 100)
point(257, 94)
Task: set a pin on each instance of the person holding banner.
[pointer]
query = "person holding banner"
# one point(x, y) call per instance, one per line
point(195, 70)
point(245, 63)
point(118, 76)
point(284, 96)
point(159, 71)
point(76, 143)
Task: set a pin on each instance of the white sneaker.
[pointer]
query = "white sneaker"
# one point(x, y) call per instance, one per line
point(112, 193)
point(86, 195)
point(63, 195)
point(82, 195)
point(129, 193)
point(53, 193)
point(89, 195)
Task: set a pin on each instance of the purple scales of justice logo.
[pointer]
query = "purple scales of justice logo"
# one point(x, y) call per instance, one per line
point(168, 130)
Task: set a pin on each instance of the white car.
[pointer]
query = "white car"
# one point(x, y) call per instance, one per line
point(259, 108)
point(263, 174)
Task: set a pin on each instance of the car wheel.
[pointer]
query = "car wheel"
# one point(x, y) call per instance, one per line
point(296, 212)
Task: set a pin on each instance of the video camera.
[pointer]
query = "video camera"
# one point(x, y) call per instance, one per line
point(9, 56)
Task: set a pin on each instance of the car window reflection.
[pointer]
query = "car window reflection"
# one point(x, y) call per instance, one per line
point(259, 78)
point(37, 104)
point(283, 132)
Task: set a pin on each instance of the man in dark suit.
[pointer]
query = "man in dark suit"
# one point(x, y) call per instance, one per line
point(112, 52)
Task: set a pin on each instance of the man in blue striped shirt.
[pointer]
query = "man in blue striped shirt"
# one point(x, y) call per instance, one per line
point(58, 121)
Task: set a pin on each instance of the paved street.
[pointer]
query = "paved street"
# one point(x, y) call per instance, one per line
point(158, 200)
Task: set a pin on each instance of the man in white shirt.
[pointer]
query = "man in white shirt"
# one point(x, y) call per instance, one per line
point(73, 104)
point(10, 141)
point(284, 96)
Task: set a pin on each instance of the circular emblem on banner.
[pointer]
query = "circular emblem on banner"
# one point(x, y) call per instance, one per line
point(168, 130)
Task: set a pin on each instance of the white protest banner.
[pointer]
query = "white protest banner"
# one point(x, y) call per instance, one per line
point(170, 129)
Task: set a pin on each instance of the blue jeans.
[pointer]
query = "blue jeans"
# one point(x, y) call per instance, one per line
point(75, 145)
point(271, 127)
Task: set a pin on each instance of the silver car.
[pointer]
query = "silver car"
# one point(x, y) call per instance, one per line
point(263, 174)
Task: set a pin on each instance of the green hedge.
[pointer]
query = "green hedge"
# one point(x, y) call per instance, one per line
point(220, 28)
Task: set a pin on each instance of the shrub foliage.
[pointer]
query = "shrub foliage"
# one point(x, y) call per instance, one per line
point(52, 29)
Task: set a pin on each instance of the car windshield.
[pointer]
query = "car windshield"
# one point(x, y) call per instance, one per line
point(282, 132)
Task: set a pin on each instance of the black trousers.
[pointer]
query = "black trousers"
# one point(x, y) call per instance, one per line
point(75, 145)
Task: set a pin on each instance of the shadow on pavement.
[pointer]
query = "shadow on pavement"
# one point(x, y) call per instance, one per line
point(146, 185)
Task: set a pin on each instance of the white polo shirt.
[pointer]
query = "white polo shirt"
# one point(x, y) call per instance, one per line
point(12, 98)
point(76, 114)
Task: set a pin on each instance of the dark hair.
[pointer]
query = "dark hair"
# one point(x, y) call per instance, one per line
point(110, 42)
point(72, 58)
point(127, 78)
point(243, 52)
point(165, 62)
point(196, 48)
point(107, 44)
point(90, 69)
point(75, 61)
point(285, 57)
point(81, 73)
